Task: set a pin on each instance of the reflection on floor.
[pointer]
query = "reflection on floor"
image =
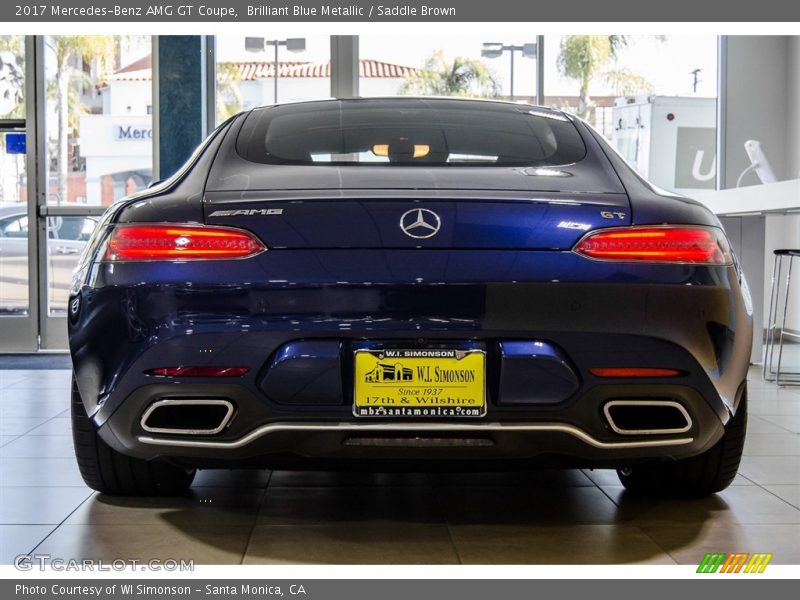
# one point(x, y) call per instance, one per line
point(307, 517)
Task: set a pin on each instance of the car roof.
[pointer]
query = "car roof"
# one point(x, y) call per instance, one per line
point(9, 209)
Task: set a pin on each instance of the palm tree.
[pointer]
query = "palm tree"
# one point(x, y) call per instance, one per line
point(462, 77)
point(585, 57)
point(71, 52)
point(229, 96)
point(12, 75)
point(12, 84)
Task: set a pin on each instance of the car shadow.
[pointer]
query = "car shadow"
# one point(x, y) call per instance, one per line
point(352, 517)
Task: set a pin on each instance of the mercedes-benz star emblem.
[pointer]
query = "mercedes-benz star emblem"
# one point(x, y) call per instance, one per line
point(420, 223)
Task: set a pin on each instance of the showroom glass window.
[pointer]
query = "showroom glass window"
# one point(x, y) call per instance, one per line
point(472, 65)
point(13, 181)
point(99, 129)
point(246, 71)
point(653, 97)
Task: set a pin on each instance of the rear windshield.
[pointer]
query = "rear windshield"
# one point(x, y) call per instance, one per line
point(409, 132)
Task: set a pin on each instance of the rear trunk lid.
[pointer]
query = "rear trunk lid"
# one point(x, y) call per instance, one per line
point(423, 218)
point(379, 205)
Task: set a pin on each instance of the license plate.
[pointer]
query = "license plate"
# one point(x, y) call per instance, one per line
point(420, 383)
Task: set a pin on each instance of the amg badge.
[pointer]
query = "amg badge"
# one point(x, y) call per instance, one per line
point(247, 212)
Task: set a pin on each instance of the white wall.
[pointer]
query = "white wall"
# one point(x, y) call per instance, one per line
point(793, 108)
point(783, 231)
point(129, 97)
point(101, 135)
point(757, 98)
point(106, 152)
point(762, 102)
point(290, 89)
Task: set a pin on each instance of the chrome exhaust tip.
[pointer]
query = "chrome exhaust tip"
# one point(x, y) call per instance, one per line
point(647, 417)
point(187, 416)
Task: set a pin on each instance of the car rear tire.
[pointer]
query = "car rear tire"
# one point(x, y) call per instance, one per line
point(700, 475)
point(110, 472)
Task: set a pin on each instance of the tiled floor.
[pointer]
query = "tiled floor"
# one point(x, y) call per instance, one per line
point(292, 517)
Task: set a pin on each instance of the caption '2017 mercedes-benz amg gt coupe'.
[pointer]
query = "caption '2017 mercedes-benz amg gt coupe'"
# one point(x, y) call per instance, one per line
point(408, 283)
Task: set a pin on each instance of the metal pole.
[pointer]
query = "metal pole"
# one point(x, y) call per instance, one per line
point(540, 70)
point(774, 295)
point(155, 78)
point(37, 176)
point(275, 79)
point(344, 66)
point(722, 112)
point(210, 91)
point(512, 72)
point(783, 323)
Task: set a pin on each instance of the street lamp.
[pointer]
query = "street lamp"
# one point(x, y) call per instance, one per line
point(496, 49)
point(256, 44)
point(696, 75)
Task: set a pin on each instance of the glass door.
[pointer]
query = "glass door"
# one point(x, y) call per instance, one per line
point(75, 137)
point(18, 331)
point(99, 145)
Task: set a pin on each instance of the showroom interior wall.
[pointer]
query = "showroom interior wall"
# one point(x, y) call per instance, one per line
point(754, 93)
point(785, 230)
point(759, 87)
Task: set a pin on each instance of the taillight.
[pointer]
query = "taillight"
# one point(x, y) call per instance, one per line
point(179, 242)
point(633, 372)
point(657, 244)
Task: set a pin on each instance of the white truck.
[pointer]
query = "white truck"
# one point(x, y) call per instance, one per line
point(669, 140)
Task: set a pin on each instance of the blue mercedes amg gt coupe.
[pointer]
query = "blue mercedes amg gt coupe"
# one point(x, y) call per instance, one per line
point(408, 283)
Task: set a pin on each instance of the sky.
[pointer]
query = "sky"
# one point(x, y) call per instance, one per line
point(665, 61)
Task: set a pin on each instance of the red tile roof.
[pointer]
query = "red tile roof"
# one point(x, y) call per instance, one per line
point(141, 70)
point(367, 68)
point(146, 62)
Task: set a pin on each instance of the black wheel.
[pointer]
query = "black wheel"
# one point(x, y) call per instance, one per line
point(700, 475)
point(111, 472)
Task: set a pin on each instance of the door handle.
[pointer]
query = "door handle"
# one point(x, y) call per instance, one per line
point(66, 250)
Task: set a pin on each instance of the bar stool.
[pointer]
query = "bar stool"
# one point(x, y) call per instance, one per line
point(777, 320)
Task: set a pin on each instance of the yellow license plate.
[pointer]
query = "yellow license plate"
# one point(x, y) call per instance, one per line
point(420, 383)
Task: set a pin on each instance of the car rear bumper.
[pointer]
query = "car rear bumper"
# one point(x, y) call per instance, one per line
point(575, 435)
point(699, 327)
